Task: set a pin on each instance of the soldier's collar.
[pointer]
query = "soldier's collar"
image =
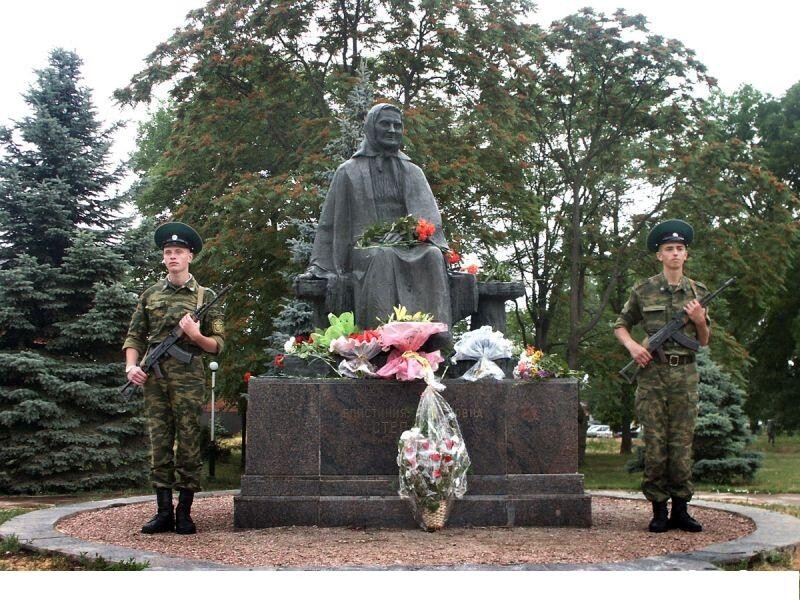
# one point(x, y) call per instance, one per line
point(191, 284)
point(683, 285)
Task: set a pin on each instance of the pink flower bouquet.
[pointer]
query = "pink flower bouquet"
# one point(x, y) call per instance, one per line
point(405, 339)
point(408, 335)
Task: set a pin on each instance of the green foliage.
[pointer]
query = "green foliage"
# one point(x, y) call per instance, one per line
point(99, 563)
point(607, 102)
point(10, 513)
point(9, 543)
point(294, 317)
point(64, 308)
point(774, 345)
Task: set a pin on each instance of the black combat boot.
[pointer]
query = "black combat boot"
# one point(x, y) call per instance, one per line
point(680, 519)
point(183, 517)
point(165, 519)
point(658, 524)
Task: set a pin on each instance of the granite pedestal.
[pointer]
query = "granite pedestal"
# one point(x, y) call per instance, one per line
point(323, 452)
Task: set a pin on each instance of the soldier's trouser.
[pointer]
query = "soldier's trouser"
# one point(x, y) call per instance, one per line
point(173, 405)
point(666, 405)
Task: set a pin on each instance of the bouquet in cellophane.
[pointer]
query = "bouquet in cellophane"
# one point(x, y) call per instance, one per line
point(403, 336)
point(433, 461)
point(483, 345)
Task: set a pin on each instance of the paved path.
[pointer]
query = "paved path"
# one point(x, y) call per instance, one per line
point(774, 531)
point(785, 499)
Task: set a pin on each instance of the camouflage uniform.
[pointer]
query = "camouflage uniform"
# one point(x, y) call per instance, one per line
point(173, 404)
point(666, 396)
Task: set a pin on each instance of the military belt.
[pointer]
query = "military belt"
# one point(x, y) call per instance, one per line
point(674, 360)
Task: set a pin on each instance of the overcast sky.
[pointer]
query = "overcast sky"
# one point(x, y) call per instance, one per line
point(739, 41)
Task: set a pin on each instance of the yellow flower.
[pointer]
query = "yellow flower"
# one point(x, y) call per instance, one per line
point(534, 353)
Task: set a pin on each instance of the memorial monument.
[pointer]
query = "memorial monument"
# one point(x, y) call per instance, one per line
point(323, 451)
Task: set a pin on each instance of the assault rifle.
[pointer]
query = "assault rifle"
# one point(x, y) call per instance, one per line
point(672, 331)
point(169, 347)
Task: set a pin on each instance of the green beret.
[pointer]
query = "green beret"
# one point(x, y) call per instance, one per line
point(673, 230)
point(180, 234)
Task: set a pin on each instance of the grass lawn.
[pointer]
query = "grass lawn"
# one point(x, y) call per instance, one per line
point(604, 467)
point(780, 470)
point(228, 470)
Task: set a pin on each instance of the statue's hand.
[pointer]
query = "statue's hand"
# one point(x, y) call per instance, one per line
point(316, 273)
point(391, 238)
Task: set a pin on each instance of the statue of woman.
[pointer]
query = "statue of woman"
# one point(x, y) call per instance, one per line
point(380, 183)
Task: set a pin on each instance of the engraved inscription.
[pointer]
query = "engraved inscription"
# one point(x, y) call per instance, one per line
point(395, 420)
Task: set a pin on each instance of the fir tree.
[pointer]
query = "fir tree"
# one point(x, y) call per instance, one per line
point(63, 307)
point(721, 432)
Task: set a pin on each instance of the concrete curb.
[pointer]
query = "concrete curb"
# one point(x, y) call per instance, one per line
point(774, 532)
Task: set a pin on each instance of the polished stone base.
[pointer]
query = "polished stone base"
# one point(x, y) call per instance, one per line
point(323, 452)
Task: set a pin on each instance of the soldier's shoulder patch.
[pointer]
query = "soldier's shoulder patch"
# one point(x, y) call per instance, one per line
point(218, 326)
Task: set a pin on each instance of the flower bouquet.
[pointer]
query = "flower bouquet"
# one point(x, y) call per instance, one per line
point(313, 353)
point(406, 362)
point(433, 461)
point(404, 232)
point(484, 346)
point(535, 365)
point(357, 350)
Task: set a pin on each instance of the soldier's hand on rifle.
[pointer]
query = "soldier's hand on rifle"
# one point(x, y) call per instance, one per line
point(190, 327)
point(639, 353)
point(136, 375)
point(695, 311)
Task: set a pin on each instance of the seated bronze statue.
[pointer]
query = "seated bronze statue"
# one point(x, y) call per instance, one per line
point(380, 183)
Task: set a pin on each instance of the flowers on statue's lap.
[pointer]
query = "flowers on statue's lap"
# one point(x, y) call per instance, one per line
point(424, 230)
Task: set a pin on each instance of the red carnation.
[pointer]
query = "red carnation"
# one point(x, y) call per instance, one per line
point(452, 257)
point(278, 362)
point(425, 229)
point(247, 377)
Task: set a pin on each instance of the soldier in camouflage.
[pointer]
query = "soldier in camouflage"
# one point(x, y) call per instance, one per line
point(666, 396)
point(173, 403)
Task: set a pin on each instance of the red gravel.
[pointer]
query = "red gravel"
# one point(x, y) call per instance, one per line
point(618, 534)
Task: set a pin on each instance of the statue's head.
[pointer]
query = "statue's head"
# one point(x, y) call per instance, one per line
point(384, 127)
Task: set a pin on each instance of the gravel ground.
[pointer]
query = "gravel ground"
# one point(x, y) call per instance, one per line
point(618, 534)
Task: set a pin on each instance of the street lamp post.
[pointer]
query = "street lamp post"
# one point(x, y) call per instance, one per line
point(213, 449)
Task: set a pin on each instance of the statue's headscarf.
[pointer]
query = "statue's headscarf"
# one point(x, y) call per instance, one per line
point(385, 166)
point(369, 145)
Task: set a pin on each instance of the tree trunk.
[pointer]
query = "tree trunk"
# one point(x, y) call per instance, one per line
point(575, 290)
point(626, 443)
